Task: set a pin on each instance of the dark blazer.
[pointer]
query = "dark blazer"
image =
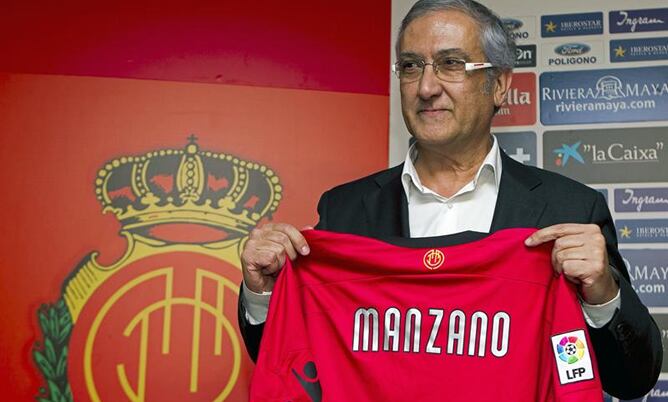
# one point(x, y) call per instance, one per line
point(628, 348)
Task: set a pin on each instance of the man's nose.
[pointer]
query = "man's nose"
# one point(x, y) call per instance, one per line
point(429, 84)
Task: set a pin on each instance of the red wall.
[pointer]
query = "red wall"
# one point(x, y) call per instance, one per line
point(318, 45)
point(299, 87)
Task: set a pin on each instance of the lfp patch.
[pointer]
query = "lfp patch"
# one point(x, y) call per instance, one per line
point(571, 354)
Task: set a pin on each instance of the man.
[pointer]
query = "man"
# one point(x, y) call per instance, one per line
point(455, 68)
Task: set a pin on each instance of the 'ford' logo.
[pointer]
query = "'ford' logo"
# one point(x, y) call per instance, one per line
point(572, 49)
point(512, 24)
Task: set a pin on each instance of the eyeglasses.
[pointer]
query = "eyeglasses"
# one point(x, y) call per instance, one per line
point(448, 69)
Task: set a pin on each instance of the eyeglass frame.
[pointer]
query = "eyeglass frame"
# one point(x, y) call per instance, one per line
point(467, 67)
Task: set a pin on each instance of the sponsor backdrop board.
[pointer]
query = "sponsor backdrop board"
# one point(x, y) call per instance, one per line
point(601, 117)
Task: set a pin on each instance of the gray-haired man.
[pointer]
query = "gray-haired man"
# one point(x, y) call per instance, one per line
point(454, 64)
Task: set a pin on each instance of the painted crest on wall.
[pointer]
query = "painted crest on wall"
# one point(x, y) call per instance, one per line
point(159, 324)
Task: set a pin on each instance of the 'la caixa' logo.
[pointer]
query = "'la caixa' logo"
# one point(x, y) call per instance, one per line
point(632, 155)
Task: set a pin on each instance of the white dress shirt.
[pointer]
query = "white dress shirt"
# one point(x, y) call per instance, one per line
point(470, 208)
point(431, 214)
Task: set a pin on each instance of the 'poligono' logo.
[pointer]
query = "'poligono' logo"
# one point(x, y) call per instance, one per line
point(573, 53)
point(572, 49)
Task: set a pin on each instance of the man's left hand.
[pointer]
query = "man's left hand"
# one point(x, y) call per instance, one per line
point(579, 253)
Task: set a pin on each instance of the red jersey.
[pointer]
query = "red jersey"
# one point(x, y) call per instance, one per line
point(360, 319)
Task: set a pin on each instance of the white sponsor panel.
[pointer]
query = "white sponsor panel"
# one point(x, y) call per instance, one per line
point(572, 53)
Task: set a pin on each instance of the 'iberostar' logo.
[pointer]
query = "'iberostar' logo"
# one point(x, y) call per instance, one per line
point(620, 51)
point(157, 324)
point(625, 232)
point(551, 27)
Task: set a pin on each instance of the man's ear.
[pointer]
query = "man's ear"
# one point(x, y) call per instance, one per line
point(502, 86)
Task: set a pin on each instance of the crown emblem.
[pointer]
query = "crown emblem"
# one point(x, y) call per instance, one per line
point(155, 194)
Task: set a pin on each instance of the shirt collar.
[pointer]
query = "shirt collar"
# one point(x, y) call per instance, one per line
point(411, 181)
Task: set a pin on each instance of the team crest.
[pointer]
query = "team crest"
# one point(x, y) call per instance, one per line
point(157, 325)
point(433, 259)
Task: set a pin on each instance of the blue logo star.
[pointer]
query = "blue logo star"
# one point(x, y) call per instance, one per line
point(566, 152)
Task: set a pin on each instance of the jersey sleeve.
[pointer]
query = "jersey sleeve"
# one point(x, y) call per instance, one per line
point(575, 375)
point(285, 369)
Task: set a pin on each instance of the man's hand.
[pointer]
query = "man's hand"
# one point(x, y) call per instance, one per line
point(579, 253)
point(265, 251)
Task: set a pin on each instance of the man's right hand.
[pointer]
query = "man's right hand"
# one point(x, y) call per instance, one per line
point(265, 251)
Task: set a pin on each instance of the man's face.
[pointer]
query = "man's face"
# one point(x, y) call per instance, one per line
point(446, 113)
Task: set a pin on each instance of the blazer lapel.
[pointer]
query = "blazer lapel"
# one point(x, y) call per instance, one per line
point(516, 204)
point(386, 207)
